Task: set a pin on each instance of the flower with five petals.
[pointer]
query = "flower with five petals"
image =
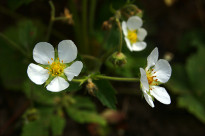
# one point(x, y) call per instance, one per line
point(156, 73)
point(134, 34)
point(55, 68)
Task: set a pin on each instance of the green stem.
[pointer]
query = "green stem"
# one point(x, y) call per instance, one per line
point(78, 80)
point(13, 44)
point(108, 78)
point(50, 26)
point(120, 29)
point(92, 14)
point(118, 78)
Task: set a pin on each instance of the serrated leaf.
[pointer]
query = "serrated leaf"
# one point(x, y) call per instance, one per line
point(105, 93)
point(193, 105)
point(57, 125)
point(83, 111)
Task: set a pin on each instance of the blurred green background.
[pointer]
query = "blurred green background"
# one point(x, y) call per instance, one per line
point(176, 27)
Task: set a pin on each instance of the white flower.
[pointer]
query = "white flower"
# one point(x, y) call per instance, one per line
point(134, 34)
point(156, 73)
point(53, 68)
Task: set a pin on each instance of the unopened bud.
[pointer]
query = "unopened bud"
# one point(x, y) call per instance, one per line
point(68, 16)
point(106, 25)
point(130, 10)
point(91, 87)
point(118, 58)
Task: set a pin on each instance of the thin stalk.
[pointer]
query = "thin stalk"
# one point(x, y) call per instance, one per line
point(92, 14)
point(50, 26)
point(120, 29)
point(78, 80)
point(118, 78)
point(78, 27)
point(13, 44)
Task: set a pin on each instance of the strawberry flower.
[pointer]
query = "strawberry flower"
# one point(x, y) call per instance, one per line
point(156, 73)
point(55, 68)
point(134, 34)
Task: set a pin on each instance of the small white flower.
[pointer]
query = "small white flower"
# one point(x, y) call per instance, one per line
point(53, 68)
point(134, 34)
point(156, 73)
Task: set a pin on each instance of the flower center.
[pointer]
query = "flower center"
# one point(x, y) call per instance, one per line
point(132, 36)
point(150, 77)
point(56, 68)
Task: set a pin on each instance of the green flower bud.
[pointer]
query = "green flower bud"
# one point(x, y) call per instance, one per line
point(118, 59)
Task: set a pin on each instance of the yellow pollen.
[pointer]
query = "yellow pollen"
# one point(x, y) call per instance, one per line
point(51, 58)
point(48, 62)
point(132, 36)
point(150, 78)
point(57, 68)
point(58, 58)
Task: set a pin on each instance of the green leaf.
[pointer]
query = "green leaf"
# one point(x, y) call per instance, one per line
point(193, 105)
point(105, 93)
point(23, 36)
point(35, 128)
point(39, 94)
point(195, 69)
point(179, 82)
point(57, 125)
point(39, 127)
point(83, 111)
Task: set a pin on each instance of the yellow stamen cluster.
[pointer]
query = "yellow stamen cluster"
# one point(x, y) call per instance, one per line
point(56, 68)
point(132, 36)
point(150, 77)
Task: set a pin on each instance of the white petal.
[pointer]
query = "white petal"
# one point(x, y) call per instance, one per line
point(138, 46)
point(37, 74)
point(67, 51)
point(57, 84)
point(143, 80)
point(128, 44)
point(160, 94)
point(124, 28)
point(134, 23)
point(149, 100)
point(43, 52)
point(152, 58)
point(163, 71)
point(142, 33)
point(73, 70)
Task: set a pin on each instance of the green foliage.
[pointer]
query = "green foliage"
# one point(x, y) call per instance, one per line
point(195, 68)
point(47, 121)
point(188, 82)
point(193, 105)
point(39, 93)
point(83, 110)
point(57, 125)
point(106, 93)
point(21, 38)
